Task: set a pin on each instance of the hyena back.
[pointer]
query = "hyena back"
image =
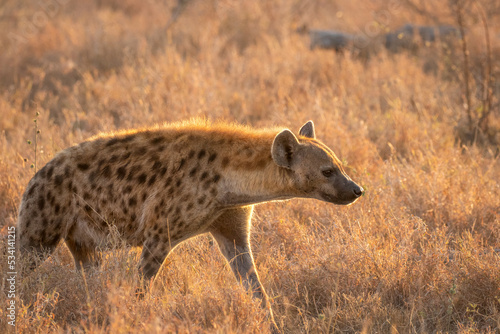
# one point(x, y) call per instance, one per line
point(159, 187)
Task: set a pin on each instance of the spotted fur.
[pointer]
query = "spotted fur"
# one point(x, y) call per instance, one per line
point(158, 187)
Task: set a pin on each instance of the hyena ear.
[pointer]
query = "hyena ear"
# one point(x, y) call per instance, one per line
point(284, 146)
point(307, 130)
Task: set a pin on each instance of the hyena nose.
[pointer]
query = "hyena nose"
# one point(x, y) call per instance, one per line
point(358, 191)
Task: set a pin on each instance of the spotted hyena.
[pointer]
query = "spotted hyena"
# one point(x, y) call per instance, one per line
point(158, 187)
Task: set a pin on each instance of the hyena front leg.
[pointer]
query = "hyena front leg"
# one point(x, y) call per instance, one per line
point(154, 253)
point(231, 230)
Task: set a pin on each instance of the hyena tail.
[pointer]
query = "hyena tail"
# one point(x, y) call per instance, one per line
point(35, 246)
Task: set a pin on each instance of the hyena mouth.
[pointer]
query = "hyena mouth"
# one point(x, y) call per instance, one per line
point(336, 200)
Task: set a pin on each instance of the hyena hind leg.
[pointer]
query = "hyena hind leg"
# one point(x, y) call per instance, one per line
point(35, 248)
point(85, 253)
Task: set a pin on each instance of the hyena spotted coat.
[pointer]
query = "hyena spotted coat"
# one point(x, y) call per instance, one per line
point(158, 187)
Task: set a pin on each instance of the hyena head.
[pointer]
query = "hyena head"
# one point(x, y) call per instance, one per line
point(315, 170)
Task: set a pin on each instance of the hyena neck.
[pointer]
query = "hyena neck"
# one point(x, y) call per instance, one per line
point(255, 184)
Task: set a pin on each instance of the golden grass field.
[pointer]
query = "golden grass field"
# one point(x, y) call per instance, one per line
point(416, 254)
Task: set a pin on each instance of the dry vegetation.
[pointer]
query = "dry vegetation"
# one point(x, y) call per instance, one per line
point(415, 254)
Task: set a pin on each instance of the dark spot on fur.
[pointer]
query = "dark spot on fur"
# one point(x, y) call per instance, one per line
point(125, 156)
point(53, 240)
point(112, 142)
point(48, 195)
point(127, 190)
point(212, 157)
point(202, 199)
point(156, 140)
point(70, 185)
point(216, 178)
point(88, 209)
point(86, 196)
point(120, 172)
point(193, 171)
point(127, 139)
point(203, 176)
point(83, 166)
point(225, 162)
point(162, 171)
point(160, 148)
point(132, 201)
point(58, 180)
point(144, 197)
point(201, 154)
point(142, 178)
point(178, 183)
point(152, 180)
point(191, 154)
point(114, 158)
point(57, 208)
point(106, 171)
point(141, 151)
point(31, 190)
point(42, 173)
point(213, 192)
point(133, 217)
point(52, 200)
point(92, 177)
point(50, 171)
point(41, 203)
point(189, 207)
point(156, 165)
point(45, 222)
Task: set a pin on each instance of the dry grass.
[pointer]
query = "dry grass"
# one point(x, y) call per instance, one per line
point(415, 254)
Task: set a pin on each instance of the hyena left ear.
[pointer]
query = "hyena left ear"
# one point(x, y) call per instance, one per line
point(307, 130)
point(284, 146)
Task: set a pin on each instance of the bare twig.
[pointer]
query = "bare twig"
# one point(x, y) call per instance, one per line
point(487, 95)
point(459, 4)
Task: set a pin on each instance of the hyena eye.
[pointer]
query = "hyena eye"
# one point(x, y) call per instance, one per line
point(328, 172)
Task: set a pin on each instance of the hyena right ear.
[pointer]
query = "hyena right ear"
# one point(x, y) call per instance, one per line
point(284, 146)
point(307, 130)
